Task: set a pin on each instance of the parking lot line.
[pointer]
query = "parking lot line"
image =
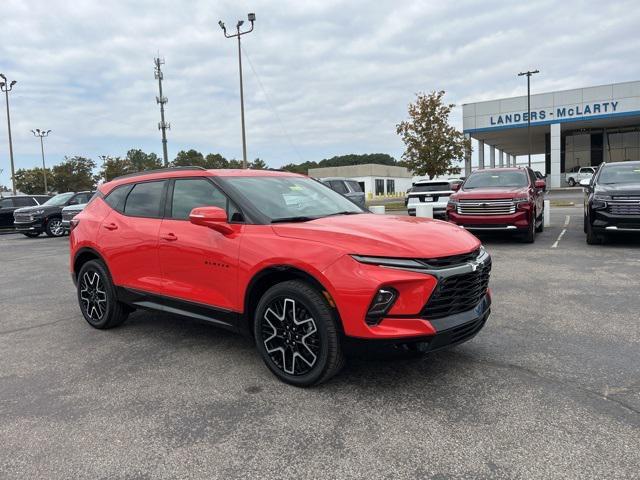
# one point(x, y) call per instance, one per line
point(564, 230)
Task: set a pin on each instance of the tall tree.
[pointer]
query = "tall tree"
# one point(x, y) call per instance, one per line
point(31, 180)
point(258, 164)
point(233, 163)
point(215, 160)
point(189, 158)
point(74, 174)
point(432, 144)
point(140, 161)
point(113, 167)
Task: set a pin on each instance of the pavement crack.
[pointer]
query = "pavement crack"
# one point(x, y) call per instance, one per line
point(31, 327)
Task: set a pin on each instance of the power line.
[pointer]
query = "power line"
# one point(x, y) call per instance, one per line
point(270, 104)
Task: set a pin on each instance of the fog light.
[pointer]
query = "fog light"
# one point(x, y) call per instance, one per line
point(382, 302)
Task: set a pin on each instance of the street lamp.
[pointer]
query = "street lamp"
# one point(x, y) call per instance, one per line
point(6, 87)
point(42, 133)
point(252, 18)
point(528, 74)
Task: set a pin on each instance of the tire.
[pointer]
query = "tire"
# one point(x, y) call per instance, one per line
point(530, 236)
point(31, 234)
point(584, 224)
point(571, 182)
point(97, 297)
point(540, 229)
point(592, 237)
point(54, 227)
point(297, 335)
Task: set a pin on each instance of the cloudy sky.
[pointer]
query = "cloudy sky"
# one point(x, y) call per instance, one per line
point(322, 77)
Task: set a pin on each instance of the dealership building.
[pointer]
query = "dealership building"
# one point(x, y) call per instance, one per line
point(581, 127)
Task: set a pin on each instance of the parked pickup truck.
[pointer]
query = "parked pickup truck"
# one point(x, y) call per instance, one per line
point(576, 174)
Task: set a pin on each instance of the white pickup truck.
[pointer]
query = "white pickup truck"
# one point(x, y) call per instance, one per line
point(434, 192)
point(573, 176)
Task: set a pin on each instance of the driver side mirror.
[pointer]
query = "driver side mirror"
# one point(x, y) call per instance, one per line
point(541, 185)
point(214, 218)
point(456, 186)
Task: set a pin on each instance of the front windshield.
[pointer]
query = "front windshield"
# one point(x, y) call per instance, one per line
point(292, 198)
point(496, 179)
point(620, 173)
point(59, 199)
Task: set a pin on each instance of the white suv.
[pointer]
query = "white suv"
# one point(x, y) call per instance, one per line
point(434, 192)
point(578, 173)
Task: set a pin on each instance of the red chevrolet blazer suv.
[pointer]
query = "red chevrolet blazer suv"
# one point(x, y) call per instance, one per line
point(280, 257)
point(500, 199)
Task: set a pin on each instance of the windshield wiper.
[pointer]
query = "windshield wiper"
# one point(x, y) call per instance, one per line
point(345, 212)
point(293, 219)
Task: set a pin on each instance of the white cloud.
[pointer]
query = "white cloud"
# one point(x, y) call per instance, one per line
point(339, 74)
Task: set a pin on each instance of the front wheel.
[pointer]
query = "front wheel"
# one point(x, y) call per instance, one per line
point(54, 227)
point(592, 237)
point(97, 297)
point(296, 334)
point(530, 235)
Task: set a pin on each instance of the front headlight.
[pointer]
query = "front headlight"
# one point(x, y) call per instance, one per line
point(599, 201)
point(602, 198)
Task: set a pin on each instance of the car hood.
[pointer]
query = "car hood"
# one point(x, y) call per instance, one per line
point(46, 208)
point(384, 235)
point(491, 193)
point(619, 189)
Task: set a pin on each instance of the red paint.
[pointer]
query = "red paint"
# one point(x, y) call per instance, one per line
point(180, 259)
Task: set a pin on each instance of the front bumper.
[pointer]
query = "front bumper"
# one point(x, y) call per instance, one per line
point(512, 222)
point(605, 222)
point(36, 225)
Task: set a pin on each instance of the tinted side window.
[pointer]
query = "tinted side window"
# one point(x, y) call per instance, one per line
point(195, 192)
point(145, 200)
point(24, 202)
point(80, 199)
point(355, 186)
point(338, 186)
point(6, 203)
point(115, 199)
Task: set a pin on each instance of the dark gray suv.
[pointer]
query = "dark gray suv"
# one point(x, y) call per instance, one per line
point(347, 187)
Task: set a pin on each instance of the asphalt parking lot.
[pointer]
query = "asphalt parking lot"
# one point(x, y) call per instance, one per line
point(549, 389)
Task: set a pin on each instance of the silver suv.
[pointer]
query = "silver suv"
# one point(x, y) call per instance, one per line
point(347, 187)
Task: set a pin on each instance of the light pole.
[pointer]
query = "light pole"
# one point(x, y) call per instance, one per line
point(528, 74)
point(6, 87)
point(252, 18)
point(41, 134)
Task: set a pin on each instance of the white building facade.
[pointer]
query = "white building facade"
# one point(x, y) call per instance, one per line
point(581, 127)
point(374, 179)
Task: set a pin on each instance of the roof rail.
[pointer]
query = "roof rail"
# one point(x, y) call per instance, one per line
point(158, 170)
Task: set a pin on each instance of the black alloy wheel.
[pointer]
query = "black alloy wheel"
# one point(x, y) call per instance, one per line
point(296, 334)
point(97, 298)
point(54, 227)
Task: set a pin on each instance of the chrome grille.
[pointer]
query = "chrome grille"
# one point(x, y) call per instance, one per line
point(22, 217)
point(486, 207)
point(624, 207)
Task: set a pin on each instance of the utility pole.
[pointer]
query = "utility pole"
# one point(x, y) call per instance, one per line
point(528, 74)
point(164, 126)
point(252, 18)
point(42, 133)
point(6, 87)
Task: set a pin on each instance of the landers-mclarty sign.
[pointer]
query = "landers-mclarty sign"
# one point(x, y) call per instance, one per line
point(558, 113)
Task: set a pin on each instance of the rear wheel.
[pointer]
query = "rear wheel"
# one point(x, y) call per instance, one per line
point(296, 334)
point(97, 297)
point(571, 182)
point(54, 227)
point(31, 234)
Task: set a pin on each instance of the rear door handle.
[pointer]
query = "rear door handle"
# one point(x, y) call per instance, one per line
point(169, 237)
point(111, 226)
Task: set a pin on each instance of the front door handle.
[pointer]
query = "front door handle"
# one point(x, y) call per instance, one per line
point(111, 226)
point(169, 237)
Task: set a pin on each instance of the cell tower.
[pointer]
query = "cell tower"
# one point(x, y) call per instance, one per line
point(163, 126)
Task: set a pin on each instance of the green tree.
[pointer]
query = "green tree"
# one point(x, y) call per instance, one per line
point(432, 144)
point(140, 161)
point(31, 180)
point(74, 174)
point(113, 167)
point(233, 163)
point(258, 164)
point(215, 160)
point(189, 158)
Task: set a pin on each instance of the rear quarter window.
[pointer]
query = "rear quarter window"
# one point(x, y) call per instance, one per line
point(116, 197)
